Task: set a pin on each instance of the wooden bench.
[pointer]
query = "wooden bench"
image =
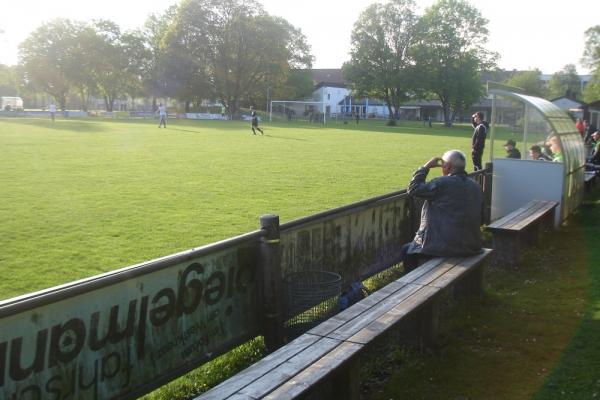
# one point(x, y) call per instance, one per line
point(519, 229)
point(323, 361)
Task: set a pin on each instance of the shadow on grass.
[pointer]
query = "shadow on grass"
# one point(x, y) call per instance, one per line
point(286, 138)
point(78, 126)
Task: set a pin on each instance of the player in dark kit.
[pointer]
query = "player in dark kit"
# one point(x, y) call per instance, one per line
point(255, 123)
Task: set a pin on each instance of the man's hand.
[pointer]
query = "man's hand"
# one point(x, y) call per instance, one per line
point(434, 162)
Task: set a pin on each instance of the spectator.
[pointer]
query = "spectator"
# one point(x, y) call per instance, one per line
point(162, 113)
point(535, 152)
point(52, 109)
point(580, 127)
point(595, 157)
point(451, 214)
point(478, 139)
point(511, 150)
point(555, 148)
point(589, 129)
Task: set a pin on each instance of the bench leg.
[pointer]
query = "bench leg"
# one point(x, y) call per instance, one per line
point(471, 285)
point(429, 322)
point(346, 383)
point(507, 248)
point(420, 329)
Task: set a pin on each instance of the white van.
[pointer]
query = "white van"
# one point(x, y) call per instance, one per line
point(11, 103)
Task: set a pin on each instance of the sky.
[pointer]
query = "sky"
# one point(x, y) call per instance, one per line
point(526, 33)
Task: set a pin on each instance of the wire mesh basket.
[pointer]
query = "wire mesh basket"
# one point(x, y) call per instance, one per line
point(310, 298)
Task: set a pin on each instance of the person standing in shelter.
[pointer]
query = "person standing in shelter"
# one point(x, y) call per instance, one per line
point(255, 123)
point(535, 152)
point(511, 150)
point(555, 148)
point(478, 140)
point(589, 129)
point(357, 117)
point(580, 127)
point(52, 109)
point(451, 214)
point(162, 114)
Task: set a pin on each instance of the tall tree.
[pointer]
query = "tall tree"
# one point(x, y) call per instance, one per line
point(565, 82)
point(8, 81)
point(451, 54)
point(46, 56)
point(237, 47)
point(117, 60)
point(381, 63)
point(591, 59)
point(154, 33)
point(529, 81)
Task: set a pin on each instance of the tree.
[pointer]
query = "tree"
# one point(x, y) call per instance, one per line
point(591, 59)
point(154, 33)
point(565, 82)
point(451, 54)
point(46, 57)
point(116, 67)
point(235, 47)
point(8, 81)
point(529, 81)
point(381, 64)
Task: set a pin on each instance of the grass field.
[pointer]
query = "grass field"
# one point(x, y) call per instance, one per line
point(81, 197)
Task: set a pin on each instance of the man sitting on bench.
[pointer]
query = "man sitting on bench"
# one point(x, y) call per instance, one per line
point(451, 214)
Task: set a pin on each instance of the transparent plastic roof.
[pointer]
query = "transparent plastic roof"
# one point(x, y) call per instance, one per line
point(530, 120)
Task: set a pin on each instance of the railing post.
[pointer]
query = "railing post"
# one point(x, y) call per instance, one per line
point(271, 291)
point(487, 193)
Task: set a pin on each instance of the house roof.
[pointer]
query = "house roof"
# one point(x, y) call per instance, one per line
point(567, 98)
point(328, 77)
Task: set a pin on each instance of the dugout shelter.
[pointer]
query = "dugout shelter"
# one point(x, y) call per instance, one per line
point(530, 120)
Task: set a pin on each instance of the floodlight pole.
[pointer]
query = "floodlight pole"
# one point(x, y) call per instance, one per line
point(525, 131)
point(493, 130)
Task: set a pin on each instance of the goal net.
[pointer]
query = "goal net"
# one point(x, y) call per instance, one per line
point(297, 111)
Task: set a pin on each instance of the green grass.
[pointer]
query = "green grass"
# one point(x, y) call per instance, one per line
point(82, 197)
point(576, 375)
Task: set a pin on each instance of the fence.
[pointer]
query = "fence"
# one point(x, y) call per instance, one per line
point(124, 333)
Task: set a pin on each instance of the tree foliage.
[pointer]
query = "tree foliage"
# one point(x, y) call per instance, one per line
point(381, 65)
point(591, 59)
point(8, 80)
point(451, 54)
point(565, 82)
point(48, 60)
point(529, 81)
point(232, 50)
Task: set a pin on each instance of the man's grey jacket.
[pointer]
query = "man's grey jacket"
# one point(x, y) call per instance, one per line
point(451, 215)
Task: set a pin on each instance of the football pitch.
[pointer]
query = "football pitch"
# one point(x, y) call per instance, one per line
point(83, 197)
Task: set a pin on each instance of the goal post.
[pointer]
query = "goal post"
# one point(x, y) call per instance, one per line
point(297, 110)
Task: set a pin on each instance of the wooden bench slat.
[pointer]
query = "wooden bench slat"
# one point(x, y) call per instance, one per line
point(316, 372)
point(433, 273)
point(531, 215)
point(351, 312)
point(514, 214)
point(277, 377)
point(389, 319)
point(354, 325)
point(541, 213)
point(459, 269)
point(520, 218)
point(260, 368)
point(422, 270)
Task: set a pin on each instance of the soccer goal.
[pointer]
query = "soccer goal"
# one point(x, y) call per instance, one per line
point(295, 110)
